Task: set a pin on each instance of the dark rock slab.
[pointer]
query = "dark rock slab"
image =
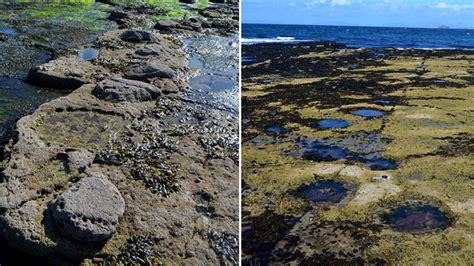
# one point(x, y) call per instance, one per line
point(136, 36)
point(148, 69)
point(166, 25)
point(149, 50)
point(120, 90)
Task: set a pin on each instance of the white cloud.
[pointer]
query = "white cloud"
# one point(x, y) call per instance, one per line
point(315, 2)
point(341, 2)
point(443, 5)
point(332, 2)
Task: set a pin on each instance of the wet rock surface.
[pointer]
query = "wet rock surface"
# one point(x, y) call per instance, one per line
point(379, 120)
point(126, 171)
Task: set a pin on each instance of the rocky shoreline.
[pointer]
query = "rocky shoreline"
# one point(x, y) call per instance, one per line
point(356, 156)
point(125, 169)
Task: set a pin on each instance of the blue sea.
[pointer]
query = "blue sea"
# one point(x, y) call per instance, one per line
point(360, 37)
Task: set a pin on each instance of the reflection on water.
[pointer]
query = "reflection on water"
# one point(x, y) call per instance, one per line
point(18, 98)
point(416, 219)
point(325, 191)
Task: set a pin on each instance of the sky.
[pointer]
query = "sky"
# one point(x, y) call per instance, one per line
point(389, 13)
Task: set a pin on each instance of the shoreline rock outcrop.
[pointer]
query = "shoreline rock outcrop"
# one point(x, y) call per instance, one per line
point(121, 162)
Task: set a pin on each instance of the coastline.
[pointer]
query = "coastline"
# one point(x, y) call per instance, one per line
point(361, 37)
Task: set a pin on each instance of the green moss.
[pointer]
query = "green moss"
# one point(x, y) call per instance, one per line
point(85, 12)
point(79, 129)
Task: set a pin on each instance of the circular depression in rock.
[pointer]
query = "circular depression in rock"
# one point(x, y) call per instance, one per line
point(8, 31)
point(317, 151)
point(331, 123)
point(245, 121)
point(277, 129)
point(88, 53)
point(325, 191)
point(381, 164)
point(368, 113)
point(418, 218)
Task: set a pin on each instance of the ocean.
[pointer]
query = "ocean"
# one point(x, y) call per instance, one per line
point(361, 37)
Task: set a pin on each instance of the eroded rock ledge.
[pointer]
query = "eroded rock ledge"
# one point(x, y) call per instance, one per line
point(123, 162)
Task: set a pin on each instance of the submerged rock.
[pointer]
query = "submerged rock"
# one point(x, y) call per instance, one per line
point(416, 218)
point(380, 164)
point(317, 151)
point(325, 191)
point(119, 90)
point(149, 69)
point(90, 210)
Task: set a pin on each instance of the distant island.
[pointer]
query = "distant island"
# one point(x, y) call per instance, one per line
point(443, 27)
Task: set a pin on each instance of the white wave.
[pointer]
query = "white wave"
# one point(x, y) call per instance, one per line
point(279, 39)
point(285, 38)
point(435, 49)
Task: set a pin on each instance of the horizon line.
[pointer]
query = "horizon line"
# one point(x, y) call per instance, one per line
point(409, 27)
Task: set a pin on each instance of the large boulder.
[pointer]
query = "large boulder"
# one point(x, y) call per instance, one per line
point(89, 211)
point(145, 70)
point(135, 36)
point(150, 50)
point(166, 25)
point(118, 16)
point(120, 90)
point(67, 73)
